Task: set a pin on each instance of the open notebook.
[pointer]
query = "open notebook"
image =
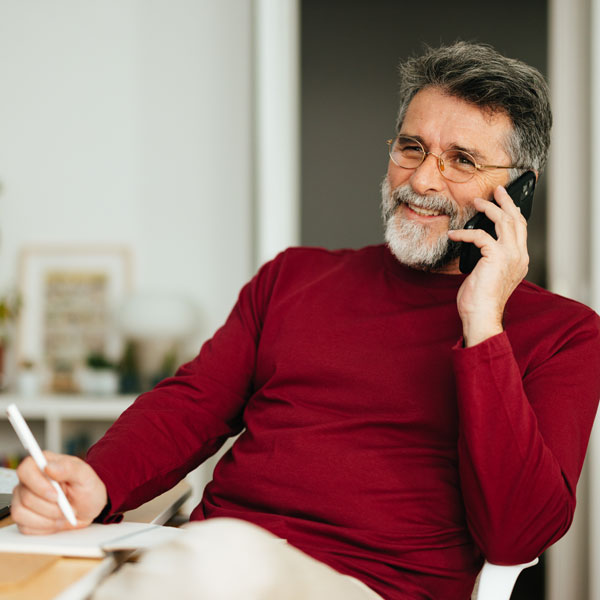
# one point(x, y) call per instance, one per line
point(8, 480)
point(91, 542)
point(5, 500)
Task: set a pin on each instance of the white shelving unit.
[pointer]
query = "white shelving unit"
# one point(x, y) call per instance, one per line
point(54, 417)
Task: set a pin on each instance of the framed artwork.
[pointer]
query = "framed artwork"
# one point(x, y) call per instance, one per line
point(68, 295)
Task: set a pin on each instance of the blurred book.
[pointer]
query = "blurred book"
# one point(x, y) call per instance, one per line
point(8, 480)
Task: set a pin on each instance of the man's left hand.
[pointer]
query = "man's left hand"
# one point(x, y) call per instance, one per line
point(503, 265)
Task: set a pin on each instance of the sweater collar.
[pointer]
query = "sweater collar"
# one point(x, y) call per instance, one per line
point(418, 277)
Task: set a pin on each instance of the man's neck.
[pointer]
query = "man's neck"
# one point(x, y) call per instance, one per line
point(449, 269)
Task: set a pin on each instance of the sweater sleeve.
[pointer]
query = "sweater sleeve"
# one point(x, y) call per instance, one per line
point(522, 440)
point(170, 430)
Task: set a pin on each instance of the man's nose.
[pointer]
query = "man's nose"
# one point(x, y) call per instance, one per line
point(427, 177)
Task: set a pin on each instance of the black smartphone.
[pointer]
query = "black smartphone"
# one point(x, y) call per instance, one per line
point(521, 191)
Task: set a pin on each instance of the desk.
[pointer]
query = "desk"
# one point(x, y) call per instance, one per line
point(62, 578)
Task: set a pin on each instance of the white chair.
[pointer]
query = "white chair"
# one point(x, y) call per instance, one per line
point(496, 582)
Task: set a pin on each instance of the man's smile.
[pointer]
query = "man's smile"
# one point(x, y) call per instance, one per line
point(424, 212)
point(417, 208)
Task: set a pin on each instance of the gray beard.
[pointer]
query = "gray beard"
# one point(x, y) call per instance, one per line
point(408, 240)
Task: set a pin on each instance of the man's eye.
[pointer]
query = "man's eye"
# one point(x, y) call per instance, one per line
point(410, 148)
point(459, 159)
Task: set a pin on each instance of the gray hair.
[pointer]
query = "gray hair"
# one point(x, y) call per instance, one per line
point(478, 74)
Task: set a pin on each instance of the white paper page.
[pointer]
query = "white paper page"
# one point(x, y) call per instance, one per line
point(91, 542)
point(143, 540)
point(8, 480)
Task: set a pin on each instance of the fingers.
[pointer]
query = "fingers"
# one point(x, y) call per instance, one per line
point(35, 508)
point(34, 505)
point(506, 216)
point(509, 223)
point(61, 468)
point(507, 204)
point(30, 501)
point(32, 478)
point(511, 219)
point(505, 208)
point(510, 248)
point(474, 236)
point(35, 515)
point(66, 469)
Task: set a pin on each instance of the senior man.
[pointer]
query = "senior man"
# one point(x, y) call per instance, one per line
point(400, 421)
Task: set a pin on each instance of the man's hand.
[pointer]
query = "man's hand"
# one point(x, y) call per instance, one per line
point(34, 504)
point(503, 265)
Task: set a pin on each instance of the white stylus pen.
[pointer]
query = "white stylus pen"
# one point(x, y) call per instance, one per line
point(22, 430)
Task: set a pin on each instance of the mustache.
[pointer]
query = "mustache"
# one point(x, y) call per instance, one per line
point(406, 195)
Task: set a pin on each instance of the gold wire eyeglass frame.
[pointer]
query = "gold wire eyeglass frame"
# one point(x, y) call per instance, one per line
point(440, 160)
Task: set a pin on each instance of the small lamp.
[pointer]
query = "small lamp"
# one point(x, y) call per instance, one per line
point(158, 324)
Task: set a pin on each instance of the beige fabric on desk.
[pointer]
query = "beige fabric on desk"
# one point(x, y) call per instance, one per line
point(227, 559)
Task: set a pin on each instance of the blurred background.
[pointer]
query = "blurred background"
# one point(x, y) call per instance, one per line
point(153, 153)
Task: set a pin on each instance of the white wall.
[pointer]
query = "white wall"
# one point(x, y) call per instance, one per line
point(136, 122)
point(130, 122)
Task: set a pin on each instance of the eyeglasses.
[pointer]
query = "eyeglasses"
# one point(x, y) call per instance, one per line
point(454, 165)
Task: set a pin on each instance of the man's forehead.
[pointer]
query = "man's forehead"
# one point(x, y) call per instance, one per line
point(489, 114)
point(439, 119)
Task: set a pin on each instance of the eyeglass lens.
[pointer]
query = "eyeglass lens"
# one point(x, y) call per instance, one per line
point(454, 165)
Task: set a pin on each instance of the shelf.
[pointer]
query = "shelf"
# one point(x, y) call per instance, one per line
point(56, 419)
point(59, 412)
point(71, 406)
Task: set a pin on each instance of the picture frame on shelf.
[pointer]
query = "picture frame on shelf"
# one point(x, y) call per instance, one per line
point(69, 294)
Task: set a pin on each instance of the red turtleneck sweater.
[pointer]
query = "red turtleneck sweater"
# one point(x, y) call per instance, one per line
point(372, 440)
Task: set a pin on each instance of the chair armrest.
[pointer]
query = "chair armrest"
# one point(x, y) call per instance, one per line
point(496, 582)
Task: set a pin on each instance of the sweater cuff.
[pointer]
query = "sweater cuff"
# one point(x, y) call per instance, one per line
point(487, 360)
point(106, 516)
point(497, 345)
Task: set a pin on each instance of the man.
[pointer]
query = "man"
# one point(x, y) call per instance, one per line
point(400, 421)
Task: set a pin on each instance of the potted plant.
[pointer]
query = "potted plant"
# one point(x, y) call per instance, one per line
point(99, 376)
point(9, 311)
